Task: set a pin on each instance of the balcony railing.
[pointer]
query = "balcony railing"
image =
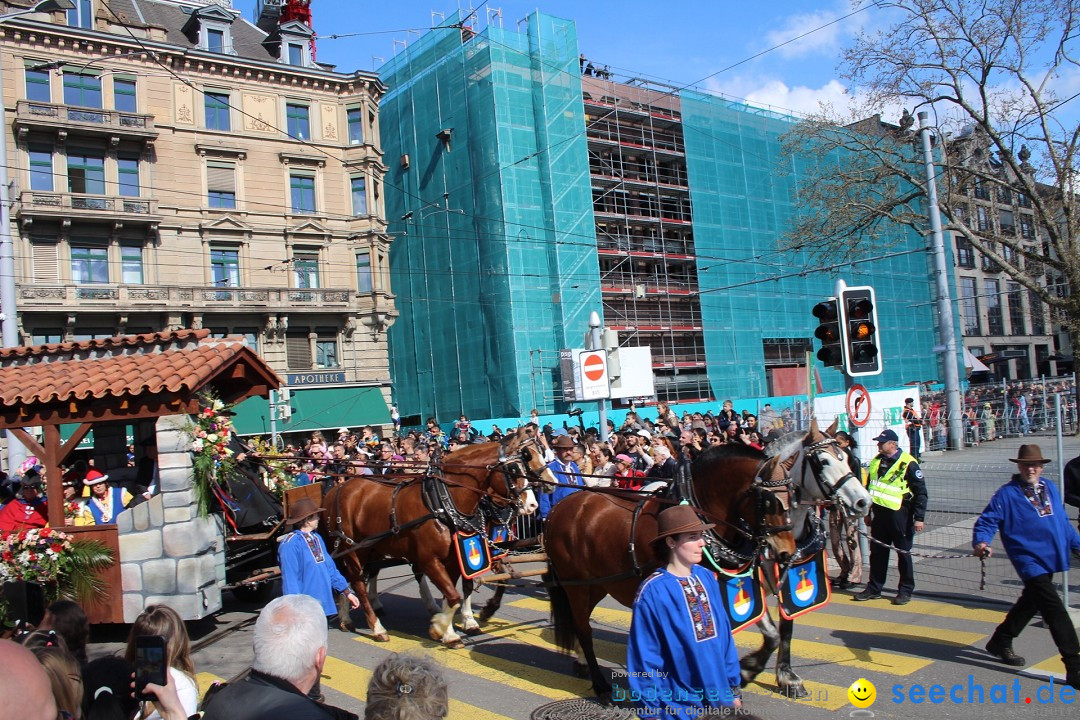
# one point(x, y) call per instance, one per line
point(135, 296)
point(35, 203)
point(31, 115)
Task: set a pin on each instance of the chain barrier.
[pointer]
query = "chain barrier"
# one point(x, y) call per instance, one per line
point(926, 556)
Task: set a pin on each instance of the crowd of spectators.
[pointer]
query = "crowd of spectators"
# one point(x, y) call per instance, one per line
point(995, 410)
point(646, 446)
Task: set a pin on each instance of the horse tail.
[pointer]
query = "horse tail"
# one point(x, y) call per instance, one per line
point(562, 613)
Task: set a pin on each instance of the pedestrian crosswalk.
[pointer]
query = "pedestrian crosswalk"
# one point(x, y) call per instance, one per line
point(516, 656)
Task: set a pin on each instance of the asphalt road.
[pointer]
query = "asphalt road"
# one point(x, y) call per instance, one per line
point(513, 668)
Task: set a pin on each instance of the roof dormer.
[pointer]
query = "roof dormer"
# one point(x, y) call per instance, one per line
point(210, 28)
point(291, 43)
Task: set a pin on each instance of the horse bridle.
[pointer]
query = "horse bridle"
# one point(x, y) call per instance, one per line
point(513, 467)
point(829, 491)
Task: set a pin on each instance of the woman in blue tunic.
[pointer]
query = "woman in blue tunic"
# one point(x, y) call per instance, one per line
point(681, 658)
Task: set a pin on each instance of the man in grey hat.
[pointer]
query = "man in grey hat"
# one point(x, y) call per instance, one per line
point(898, 491)
point(1038, 537)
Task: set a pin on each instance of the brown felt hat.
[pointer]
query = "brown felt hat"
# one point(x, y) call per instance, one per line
point(301, 510)
point(1030, 454)
point(563, 442)
point(679, 519)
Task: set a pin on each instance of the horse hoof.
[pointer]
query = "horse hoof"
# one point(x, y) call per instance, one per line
point(794, 692)
point(605, 698)
point(485, 615)
point(381, 637)
point(581, 670)
point(457, 644)
point(434, 634)
point(473, 631)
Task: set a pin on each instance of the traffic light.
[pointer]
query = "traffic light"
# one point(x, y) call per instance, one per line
point(862, 355)
point(830, 333)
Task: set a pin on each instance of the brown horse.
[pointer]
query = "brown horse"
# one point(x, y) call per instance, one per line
point(595, 547)
point(369, 520)
point(591, 552)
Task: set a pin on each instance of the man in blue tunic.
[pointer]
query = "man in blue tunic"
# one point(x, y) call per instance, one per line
point(306, 566)
point(1038, 537)
point(680, 657)
point(307, 569)
point(566, 472)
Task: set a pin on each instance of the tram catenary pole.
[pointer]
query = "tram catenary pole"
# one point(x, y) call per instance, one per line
point(946, 330)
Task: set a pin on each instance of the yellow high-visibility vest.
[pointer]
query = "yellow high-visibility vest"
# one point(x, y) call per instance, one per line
point(889, 491)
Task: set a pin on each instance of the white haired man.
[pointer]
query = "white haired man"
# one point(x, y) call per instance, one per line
point(290, 649)
point(24, 685)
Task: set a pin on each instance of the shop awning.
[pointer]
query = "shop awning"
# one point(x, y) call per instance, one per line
point(316, 409)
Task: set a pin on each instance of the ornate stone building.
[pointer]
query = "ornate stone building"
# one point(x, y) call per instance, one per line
point(1003, 323)
point(174, 165)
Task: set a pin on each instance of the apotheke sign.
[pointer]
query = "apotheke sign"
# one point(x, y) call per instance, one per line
point(315, 378)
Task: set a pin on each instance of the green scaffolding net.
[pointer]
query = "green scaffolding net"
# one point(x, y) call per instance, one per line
point(493, 258)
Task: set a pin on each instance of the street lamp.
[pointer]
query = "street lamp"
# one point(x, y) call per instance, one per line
point(9, 322)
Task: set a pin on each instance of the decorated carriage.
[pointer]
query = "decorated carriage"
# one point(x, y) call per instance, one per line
point(165, 550)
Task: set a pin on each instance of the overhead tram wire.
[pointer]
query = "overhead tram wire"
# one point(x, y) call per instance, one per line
point(584, 131)
point(154, 55)
point(460, 25)
point(248, 204)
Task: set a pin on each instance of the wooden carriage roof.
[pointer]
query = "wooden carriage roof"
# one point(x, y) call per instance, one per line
point(126, 377)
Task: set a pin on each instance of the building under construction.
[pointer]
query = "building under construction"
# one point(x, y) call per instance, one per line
point(525, 191)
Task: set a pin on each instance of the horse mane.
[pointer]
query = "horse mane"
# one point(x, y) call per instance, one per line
point(785, 445)
point(732, 450)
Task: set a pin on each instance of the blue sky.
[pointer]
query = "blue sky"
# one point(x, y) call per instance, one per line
point(679, 42)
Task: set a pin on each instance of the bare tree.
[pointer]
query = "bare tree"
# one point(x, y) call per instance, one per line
point(986, 71)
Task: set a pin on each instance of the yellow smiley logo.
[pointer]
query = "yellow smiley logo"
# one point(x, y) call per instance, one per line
point(862, 693)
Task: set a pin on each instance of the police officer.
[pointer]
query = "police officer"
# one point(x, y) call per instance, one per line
point(898, 491)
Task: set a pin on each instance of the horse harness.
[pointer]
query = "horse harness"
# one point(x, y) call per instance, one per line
point(435, 493)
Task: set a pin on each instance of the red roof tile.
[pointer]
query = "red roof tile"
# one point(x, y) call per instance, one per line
point(175, 362)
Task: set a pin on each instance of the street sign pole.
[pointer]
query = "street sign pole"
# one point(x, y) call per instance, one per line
point(601, 404)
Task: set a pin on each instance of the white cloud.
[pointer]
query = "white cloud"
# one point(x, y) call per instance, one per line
point(826, 39)
point(775, 94)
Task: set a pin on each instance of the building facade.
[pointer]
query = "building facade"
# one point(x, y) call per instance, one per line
point(496, 261)
point(1003, 323)
point(174, 165)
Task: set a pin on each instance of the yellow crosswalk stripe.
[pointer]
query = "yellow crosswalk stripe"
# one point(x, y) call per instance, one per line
point(484, 666)
point(1051, 665)
point(204, 680)
point(927, 607)
point(882, 629)
point(828, 697)
point(872, 660)
point(352, 680)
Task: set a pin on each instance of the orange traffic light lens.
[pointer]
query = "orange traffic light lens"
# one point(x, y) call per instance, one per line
point(861, 330)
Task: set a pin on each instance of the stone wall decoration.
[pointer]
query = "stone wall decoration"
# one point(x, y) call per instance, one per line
point(328, 112)
point(184, 105)
point(260, 113)
point(168, 553)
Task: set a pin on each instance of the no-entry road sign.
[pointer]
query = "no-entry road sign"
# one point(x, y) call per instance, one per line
point(594, 375)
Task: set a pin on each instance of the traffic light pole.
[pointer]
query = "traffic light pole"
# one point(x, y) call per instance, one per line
point(944, 302)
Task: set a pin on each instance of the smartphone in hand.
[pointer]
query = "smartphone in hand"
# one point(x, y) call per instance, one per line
point(150, 664)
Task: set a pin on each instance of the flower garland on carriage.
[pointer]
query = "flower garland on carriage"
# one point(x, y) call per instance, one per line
point(63, 566)
point(211, 432)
